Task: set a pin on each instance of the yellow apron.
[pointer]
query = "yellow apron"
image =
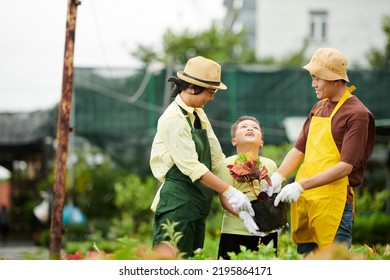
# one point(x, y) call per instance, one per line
point(316, 216)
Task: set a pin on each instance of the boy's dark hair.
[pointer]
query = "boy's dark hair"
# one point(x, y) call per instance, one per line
point(233, 129)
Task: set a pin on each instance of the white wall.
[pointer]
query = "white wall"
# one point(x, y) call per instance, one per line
point(354, 26)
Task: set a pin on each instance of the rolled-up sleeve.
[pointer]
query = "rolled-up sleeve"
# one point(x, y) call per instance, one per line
point(178, 138)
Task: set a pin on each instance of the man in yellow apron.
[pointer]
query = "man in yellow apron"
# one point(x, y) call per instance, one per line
point(332, 150)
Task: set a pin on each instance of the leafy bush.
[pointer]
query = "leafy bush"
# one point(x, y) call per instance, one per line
point(371, 223)
point(133, 198)
point(371, 229)
point(367, 202)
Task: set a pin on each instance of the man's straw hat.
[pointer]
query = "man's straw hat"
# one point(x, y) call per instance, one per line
point(202, 72)
point(328, 64)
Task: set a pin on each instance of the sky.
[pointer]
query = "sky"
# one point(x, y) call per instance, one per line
point(32, 40)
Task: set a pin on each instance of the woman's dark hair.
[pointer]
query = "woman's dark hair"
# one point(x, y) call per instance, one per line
point(180, 85)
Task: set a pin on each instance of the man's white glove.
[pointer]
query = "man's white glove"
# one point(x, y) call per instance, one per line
point(290, 193)
point(276, 180)
point(238, 200)
point(250, 224)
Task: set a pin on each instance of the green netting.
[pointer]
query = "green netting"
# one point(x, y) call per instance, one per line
point(118, 109)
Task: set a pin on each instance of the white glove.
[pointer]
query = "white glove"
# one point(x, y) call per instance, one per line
point(238, 200)
point(276, 180)
point(250, 224)
point(268, 189)
point(290, 193)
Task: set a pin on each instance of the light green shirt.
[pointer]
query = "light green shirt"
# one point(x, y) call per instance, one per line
point(230, 223)
point(173, 143)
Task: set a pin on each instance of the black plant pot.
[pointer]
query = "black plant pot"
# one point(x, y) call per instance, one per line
point(267, 216)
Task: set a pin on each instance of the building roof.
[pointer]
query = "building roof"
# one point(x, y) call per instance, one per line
point(26, 128)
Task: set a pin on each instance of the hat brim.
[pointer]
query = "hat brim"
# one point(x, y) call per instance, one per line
point(190, 80)
point(324, 73)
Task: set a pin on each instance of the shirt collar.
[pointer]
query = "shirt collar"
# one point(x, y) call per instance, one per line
point(181, 103)
point(189, 109)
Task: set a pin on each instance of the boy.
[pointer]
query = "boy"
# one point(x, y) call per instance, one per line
point(238, 227)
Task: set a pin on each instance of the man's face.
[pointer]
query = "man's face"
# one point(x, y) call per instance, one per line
point(323, 88)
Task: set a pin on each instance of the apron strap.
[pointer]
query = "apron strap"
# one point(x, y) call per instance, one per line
point(322, 105)
point(342, 100)
point(185, 113)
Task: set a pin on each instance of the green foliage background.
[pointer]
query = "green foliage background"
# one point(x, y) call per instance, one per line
point(123, 213)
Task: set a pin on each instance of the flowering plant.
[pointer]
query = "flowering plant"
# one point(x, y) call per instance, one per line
point(248, 168)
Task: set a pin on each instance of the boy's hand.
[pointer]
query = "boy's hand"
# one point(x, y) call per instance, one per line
point(276, 180)
point(238, 200)
point(267, 189)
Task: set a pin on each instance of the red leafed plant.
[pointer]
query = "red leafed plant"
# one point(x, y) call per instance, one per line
point(248, 168)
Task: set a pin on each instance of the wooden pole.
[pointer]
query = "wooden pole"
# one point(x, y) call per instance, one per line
point(63, 134)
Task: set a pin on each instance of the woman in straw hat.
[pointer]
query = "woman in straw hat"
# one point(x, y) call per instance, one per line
point(334, 145)
point(185, 155)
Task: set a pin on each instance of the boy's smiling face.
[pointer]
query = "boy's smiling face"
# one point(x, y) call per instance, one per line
point(248, 132)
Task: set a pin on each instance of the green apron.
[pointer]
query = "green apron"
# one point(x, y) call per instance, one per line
point(184, 201)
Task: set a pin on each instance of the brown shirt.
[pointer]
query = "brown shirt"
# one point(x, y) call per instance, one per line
point(353, 129)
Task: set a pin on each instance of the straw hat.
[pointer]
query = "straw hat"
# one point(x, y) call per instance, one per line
point(328, 64)
point(202, 72)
